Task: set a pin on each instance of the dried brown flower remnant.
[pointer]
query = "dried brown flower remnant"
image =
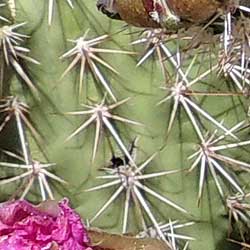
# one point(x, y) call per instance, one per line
point(170, 14)
point(196, 11)
point(105, 241)
point(135, 13)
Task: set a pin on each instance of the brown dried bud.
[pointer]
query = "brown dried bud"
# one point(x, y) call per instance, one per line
point(196, 11)
point(134, 12)
point(101, 240)
point(170, 14)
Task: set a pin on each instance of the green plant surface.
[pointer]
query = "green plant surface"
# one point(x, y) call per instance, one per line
point(58, 96)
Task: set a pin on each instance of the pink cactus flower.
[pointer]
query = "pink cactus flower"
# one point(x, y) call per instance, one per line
point(48, 226)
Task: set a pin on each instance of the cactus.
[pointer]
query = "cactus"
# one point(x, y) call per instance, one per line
point(140, 119)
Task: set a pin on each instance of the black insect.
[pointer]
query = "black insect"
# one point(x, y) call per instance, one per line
point(122, 161)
